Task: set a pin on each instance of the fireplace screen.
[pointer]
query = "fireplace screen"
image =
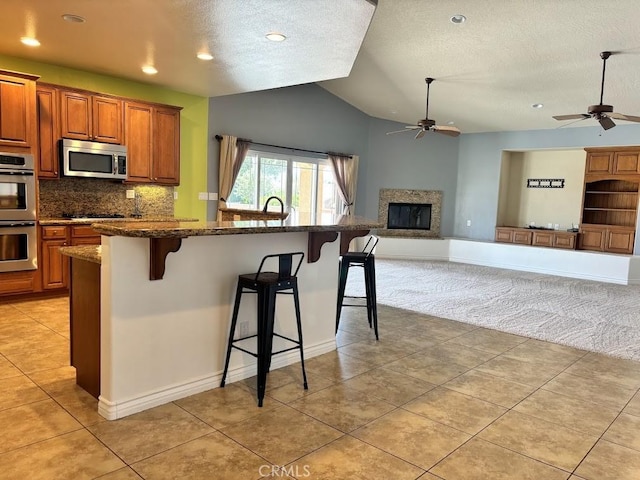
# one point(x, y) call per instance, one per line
point(409, 216)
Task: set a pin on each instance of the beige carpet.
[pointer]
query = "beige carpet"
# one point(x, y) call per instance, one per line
point(599, 317)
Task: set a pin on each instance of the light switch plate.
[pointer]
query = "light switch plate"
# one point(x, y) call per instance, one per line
point(203, 196)
point(175, 195)
point(131, 193)
point(213, 195)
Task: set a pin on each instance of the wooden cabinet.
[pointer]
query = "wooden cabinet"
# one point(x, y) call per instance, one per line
point(138, 137)
point(18, 282)
point(537, 238)
point(17, 109)
point(606, 239)
point(48, 131)
point(84, 235)
point(599, 163)
point(626, 163)
point(152, 137)
point(54, 266)
point(84, 116)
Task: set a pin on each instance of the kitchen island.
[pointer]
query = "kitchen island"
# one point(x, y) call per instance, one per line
point(167, 292)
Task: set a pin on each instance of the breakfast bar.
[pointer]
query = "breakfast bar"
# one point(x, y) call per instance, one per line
point(166, 297)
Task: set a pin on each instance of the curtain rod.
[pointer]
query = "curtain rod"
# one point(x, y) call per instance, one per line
point(219, 138)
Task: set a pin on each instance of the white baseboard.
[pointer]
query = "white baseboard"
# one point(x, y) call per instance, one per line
point(114, 410)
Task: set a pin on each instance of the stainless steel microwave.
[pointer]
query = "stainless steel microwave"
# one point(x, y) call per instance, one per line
point(93, 159)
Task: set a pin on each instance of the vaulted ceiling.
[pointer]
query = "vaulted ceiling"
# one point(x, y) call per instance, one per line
point(489, 70)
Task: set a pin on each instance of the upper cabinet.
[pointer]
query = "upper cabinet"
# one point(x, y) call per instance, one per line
point(613, 161)
point(152, 136)
point(17, 110)
point(150, 131)
point(48, 131)
point(84, 116)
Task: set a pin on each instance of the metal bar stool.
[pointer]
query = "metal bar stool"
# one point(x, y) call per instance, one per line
point(267, 285)
point(366, 260)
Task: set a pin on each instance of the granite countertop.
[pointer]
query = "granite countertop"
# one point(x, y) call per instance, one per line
point(90, 253)
point(181, 229)
point(89, 221)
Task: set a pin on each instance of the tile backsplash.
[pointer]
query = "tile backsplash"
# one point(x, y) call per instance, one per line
point(97, 196)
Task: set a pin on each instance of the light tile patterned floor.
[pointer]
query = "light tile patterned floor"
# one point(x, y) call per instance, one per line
point(434, 399)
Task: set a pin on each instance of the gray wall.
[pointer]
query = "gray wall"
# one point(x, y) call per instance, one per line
point(304, 116)
point(400, 161)
point(479, 162)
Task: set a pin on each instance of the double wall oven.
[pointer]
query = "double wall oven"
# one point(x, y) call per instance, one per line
point(18, 234)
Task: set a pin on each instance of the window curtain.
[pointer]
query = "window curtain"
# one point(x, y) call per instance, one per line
point(346, 171)
point(232, 153)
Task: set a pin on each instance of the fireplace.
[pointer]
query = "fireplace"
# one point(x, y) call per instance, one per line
point(409, 216)
point(410, 213)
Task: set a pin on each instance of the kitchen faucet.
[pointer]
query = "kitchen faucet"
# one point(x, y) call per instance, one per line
point(266, 204)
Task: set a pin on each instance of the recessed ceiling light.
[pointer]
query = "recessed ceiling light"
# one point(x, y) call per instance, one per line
point(451, 122)
point(537, 105)
point(458, 19)
point(149, 69)
point(275, 37)
point(30, 41)
point(204, 56)
point(69, 17)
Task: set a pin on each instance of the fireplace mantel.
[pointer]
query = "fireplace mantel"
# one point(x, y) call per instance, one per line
point(390, 195)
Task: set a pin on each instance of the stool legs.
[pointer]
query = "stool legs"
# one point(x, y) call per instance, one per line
point(266, 314)
point(296, 301)
point(372, 300)
point(343, 272)
point(232, 331)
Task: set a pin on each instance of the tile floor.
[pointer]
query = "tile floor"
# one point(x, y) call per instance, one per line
point(434, 399)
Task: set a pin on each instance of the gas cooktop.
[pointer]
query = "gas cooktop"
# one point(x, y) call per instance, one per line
point(91, 215)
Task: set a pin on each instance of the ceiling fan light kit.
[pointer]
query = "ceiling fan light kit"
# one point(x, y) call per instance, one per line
point(426, 124)
point(601, 112)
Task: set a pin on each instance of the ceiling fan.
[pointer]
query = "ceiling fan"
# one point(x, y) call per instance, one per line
point(426, 124)
point(602, 113)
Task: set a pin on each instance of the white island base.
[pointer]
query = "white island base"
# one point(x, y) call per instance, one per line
point(166, 339)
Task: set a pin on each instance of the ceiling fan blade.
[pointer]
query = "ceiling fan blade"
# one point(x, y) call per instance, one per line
point(606, 122)
point(575, 121)
point(420, 134)
point(575, 116)
point(445, 130)
point(405, 130)
point(622, 116)
point(412, 127)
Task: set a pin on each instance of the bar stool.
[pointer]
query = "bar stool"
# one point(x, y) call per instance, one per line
point(366, 260)
point(267, 285)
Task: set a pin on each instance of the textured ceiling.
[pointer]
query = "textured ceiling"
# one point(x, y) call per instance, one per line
point(119, 36)
point(508, 55)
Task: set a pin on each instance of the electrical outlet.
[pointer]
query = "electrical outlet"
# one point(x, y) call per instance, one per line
point(549, 225)
point(203, 196)
point(131, 193)
point(175, 195)
point(468, 223)
point(213, 195)
point(556, 226)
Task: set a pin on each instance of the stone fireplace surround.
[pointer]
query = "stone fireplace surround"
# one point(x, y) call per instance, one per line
point(391, 195)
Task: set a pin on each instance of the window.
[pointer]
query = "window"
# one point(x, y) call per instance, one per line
point(306, 185)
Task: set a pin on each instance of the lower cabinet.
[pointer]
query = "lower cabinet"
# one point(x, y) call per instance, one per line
point(537, 238)
point(18, 282)
point(53, 265)
point(604, 238)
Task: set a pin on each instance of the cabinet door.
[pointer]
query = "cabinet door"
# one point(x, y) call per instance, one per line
point(17, 282)
point(542, 239)
point(591, 238)
point(17, 111)
point(107, 120)
point(47, 102)
point(619, 241)
point(55, 266)
point(75, 115)
point(626, 163)
point(564, 240)
point(599, 162)
point(502, 234)
point(138, 132)
point(522, 237)
point(166, 146)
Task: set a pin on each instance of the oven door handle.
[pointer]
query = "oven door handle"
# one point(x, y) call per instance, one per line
point(17, 224)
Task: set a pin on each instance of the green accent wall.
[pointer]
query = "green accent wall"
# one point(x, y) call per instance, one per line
point(193, 120)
